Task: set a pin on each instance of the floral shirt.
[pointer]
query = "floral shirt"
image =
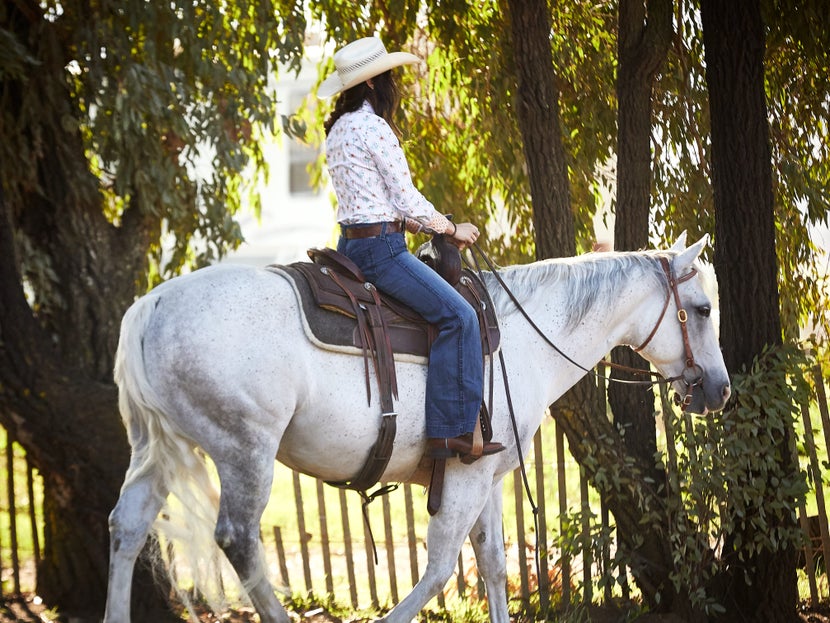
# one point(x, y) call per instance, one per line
point(371, 177)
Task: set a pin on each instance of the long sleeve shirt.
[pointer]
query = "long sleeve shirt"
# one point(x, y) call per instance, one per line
point(371, 176)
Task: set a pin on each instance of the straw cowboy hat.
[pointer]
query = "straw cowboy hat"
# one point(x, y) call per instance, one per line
point(360, 60)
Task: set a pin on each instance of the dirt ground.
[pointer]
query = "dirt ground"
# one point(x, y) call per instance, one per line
point(29, 610)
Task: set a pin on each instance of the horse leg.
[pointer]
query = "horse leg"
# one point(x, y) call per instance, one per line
point(488, 543)
point(129, 524)
point(445, 536)
point(244, 493)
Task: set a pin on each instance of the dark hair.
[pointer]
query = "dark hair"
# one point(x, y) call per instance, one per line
point(384, 97)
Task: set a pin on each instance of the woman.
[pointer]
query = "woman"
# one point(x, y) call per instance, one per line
point(376, 202)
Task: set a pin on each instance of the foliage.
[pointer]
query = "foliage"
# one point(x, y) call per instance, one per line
point(764, 412)
point(464, 147)
point(728, 494)
point(180, 151)
point(733, 495)
point(593, 545)
point(737, 495)
point(459, 118)
point(797, 85)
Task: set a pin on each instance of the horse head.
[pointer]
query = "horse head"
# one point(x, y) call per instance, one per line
point(684, 344)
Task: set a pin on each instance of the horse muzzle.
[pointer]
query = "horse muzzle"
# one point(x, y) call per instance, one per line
point(697, 393)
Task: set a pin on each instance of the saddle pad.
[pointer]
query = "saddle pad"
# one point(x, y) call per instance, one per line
point(331, 323)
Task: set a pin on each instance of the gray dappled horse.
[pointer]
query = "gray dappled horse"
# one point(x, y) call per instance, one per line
point(218, 362)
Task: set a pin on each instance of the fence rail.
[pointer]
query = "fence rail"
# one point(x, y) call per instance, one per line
point(317, 541)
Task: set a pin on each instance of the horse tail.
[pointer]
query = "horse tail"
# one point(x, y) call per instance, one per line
point(187, 552)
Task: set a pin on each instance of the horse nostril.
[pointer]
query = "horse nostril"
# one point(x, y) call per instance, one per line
point(727, 391)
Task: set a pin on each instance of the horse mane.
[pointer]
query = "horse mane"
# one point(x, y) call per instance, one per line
point(591, 277)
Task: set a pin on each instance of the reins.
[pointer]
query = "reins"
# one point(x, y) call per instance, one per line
point(691, 381)
point(682, 317)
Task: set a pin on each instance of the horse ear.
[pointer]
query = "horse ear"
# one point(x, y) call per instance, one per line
point(679, 244)
point(684, 259)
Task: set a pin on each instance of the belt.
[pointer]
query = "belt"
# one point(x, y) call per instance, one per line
point(351, 232)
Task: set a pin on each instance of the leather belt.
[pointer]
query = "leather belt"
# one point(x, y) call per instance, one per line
point(350, 232)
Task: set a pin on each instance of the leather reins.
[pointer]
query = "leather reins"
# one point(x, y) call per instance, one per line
point(690, 381)
point(692, 374)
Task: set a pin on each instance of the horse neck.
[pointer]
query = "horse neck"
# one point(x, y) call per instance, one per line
point(585, 306)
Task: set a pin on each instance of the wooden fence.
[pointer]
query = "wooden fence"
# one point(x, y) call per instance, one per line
point(318, 542)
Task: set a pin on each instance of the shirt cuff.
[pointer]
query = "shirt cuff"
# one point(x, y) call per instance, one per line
point(440, 224)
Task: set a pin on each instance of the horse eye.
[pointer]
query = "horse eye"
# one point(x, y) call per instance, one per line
point(704, 310)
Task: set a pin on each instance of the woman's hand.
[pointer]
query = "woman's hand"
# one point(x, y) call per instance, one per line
point(464, 235)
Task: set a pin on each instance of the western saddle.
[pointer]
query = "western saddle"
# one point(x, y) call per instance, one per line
point(379, 326)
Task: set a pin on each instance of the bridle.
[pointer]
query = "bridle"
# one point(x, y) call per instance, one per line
point(692, 374)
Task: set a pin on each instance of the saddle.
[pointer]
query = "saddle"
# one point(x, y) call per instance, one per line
point(345, 311)
point(331, 282)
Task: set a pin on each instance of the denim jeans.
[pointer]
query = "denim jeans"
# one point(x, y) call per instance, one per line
point(455, 374)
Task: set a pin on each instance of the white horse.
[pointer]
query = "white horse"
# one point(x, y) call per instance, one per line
point(218, 362)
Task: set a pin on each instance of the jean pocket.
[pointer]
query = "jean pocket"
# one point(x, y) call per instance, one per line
point(360, 252)
point(396, 243)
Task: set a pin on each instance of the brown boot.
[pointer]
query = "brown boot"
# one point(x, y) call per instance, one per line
point(446, 447)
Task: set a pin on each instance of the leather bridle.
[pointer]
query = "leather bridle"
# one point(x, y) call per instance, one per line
point(692, 375)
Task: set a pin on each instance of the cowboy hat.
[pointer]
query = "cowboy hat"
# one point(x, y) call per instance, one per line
point(360, 60)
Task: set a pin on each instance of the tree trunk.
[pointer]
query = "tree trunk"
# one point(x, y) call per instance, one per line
point(57, 397)
point(537, 108)
point(762, 588)
point(644, 37)
point(642, 51)
point(73, 434)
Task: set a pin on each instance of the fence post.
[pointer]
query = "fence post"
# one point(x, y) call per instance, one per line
point(281, 558)
point(390, 549)
point(414, 576)
point(13, 544)
point(543, 581)
point(324, 536)
point(347, 540)
point(605, 555)
point(563, 511)
point(301, 530)
point(821, 398)
point(587, 556)
point(809, 562)
point(520, 535)
point(815, 468)
point(370, 560)
point(30, 489)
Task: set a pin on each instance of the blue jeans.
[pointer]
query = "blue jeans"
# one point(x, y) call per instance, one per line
point(455, 373)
